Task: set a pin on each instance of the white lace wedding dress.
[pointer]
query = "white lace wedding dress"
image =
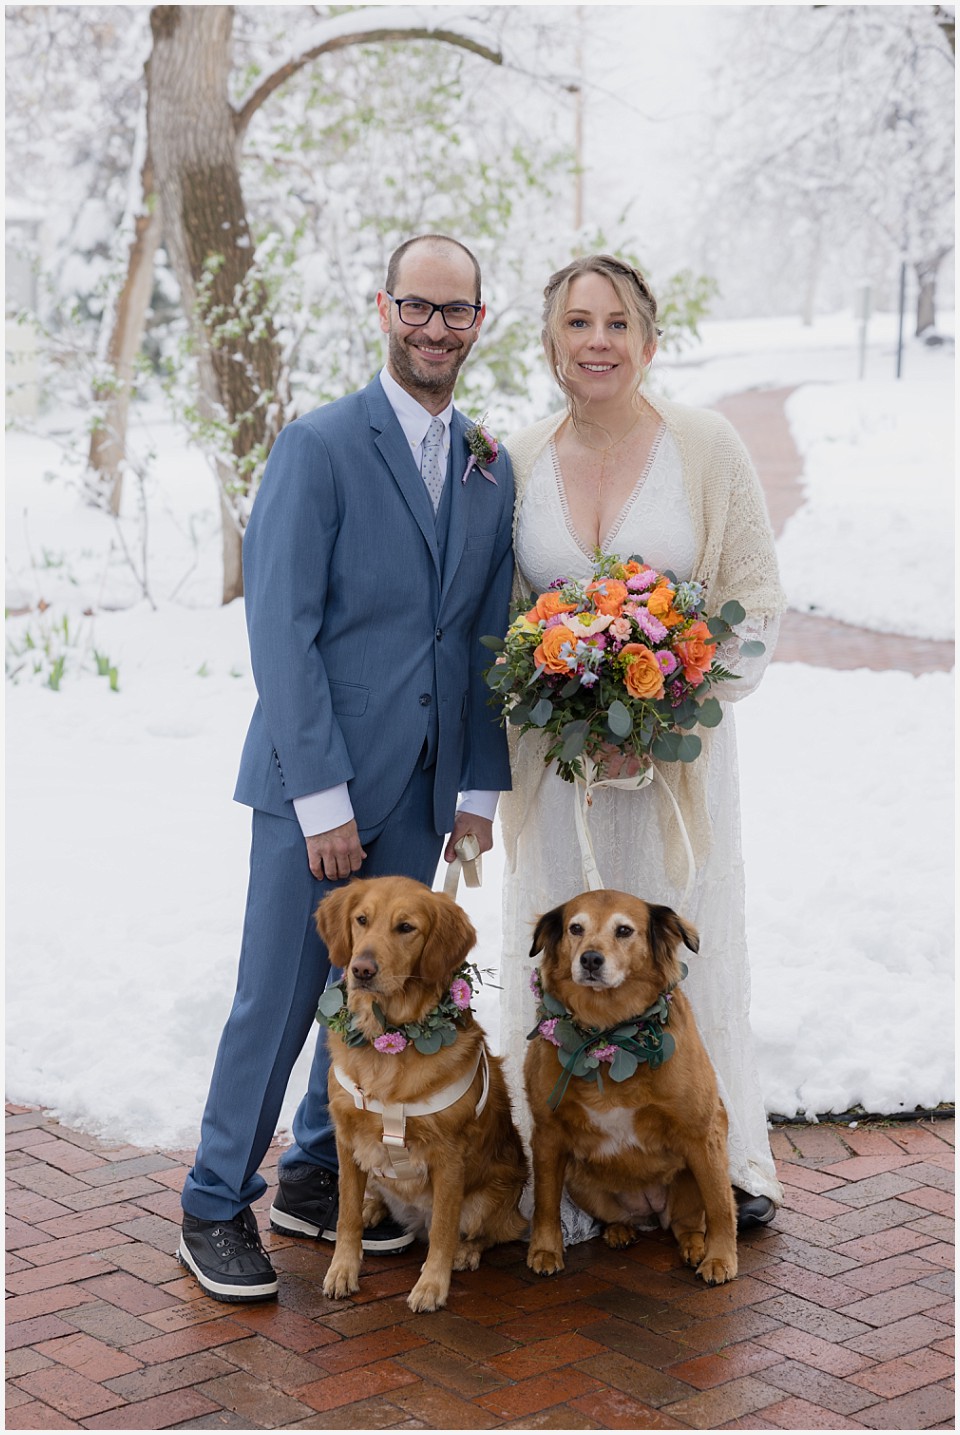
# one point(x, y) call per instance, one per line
point(625, 826)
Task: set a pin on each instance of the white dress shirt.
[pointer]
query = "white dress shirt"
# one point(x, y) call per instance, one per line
point(319, 812)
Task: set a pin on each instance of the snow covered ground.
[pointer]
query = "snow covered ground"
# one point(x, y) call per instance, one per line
point(126, 864)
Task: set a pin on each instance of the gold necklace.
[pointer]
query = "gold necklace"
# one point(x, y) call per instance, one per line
point(603, 460)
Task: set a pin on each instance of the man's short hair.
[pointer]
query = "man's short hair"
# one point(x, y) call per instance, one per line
point(393, 267)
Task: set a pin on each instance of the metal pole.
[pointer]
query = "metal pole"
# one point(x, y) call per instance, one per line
point(578, 127)
point(903, 298)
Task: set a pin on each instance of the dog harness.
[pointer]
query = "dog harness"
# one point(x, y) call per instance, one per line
point(395, 1113)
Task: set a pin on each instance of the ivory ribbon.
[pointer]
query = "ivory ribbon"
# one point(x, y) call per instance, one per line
point(467, 861)
point(583, 800)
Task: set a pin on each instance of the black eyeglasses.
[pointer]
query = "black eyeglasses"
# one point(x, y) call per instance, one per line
point(417, 312)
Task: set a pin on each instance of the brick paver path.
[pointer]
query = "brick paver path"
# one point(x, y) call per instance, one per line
point(804, 637)
point(841, 1317)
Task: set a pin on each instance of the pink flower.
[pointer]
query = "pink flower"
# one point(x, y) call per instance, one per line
point(535, 986)
point(641, 580)
point(460, 993)
point(391, 1041)
point(667, 661)
point(604, 1053)
point(546, 1029)
point(620, 628)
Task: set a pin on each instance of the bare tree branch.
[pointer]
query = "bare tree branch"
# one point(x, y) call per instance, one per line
point(279, 76)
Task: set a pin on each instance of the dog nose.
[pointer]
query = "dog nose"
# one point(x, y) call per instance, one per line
point(591, 962)
point(363, 968)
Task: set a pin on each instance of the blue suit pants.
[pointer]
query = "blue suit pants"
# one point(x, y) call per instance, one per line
point(284, 967)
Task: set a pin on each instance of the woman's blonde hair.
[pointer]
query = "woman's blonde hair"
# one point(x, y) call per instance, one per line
point(636, 299)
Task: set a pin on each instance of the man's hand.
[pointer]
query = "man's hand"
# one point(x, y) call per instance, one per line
point(464, 822)
point(336, 853)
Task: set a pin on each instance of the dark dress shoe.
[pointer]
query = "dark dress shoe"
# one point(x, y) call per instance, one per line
point(753, 1210)
point(308, 1203)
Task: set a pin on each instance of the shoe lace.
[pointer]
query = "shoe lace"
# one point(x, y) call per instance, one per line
point(235, 1236)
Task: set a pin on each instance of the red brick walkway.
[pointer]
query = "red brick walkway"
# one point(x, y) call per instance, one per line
point(804, 637)
point(841, 1318)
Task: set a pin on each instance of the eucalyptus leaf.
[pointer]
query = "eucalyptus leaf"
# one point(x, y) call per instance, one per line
point(541, 712)
point(448, 1035)
point(752, 648)
point(496, 645)
point(429, 1044)
point(710, 714)
point(378, 1013)
point(623, 1065)
point(733, 612)
point(567, 1035)
point(519, 714)
point(718, 628)
point(574, 741)
point(629, 1028)
point(554, 1007)
point(619, 720)
point(689, 747)
point(331, 1002)
point(666, 745)
point(568, 689)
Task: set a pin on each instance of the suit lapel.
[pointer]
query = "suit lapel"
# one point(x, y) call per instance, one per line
point(459, 498)
point(395, 451)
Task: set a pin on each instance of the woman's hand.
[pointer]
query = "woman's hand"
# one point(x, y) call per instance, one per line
point(613, 761)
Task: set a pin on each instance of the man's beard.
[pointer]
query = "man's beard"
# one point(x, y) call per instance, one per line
point(426, 380)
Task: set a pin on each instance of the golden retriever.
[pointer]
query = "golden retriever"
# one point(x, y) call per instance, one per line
point(655, 1141)
point(460, 1171)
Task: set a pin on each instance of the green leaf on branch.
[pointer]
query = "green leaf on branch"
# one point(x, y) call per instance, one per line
point(541, 712)
point(733, 612)
point(574, 740)
point(496, 645)
point(665, 746)
point(568, 689)
point(429, 1044)
point(623, 1065)
point(718, 628)
point(689, 747)
point(752, 648)
point(519, 714)
point(619, 720)
point(331, 1001)
point(711, 713)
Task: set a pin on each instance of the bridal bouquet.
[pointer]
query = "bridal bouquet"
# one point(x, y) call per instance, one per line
point(622, 661)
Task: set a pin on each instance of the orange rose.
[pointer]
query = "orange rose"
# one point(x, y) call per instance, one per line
point(608, 595)
point(660, 605)
point(548, 605)
point(641, 675)
point(547, 654)
point(631, 569)
point(696, 653)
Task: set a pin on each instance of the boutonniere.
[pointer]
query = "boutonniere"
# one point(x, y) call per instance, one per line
point(483, 450)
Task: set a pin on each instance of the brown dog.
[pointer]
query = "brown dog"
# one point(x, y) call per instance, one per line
point(608, 958)
point(459, 1168)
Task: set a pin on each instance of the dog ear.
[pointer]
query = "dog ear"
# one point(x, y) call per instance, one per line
point(333, 917)
point(452, 936)
point(548, 931)
point(665, 931)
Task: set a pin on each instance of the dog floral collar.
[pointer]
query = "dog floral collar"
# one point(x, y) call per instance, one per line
point(582, 1049)
point(437, 1029)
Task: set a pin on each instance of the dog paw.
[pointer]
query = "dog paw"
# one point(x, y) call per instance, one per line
point(716, 1270)
point(619, 1235)
point(467, 1257)
point(428, 1294)
point(544, 1262)
point(692, 1248)
point(341, 1280)
point(374, 1211)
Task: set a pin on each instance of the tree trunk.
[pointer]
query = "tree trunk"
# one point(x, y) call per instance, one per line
point(927, 271)
point(195, 150)
point(122, 334)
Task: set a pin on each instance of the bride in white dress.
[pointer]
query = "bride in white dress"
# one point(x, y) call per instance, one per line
point(640, 476)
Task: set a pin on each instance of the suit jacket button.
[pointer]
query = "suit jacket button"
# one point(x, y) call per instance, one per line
point(424, 700)
point(439, 635)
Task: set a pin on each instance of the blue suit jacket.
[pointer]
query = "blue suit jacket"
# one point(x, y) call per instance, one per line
point(358, 639)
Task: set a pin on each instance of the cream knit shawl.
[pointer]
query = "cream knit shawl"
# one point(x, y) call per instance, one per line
point(735, 559)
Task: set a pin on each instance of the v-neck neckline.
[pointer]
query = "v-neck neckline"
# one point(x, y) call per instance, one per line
point(609, 537)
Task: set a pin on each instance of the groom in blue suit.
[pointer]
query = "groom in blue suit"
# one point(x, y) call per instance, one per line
point(371, 570)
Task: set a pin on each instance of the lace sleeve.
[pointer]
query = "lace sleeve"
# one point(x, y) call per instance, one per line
point(748, 670)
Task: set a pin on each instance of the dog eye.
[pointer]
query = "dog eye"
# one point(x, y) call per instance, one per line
point(361, 920)
point(624, 931)
point(405, 927)
point(576, 929)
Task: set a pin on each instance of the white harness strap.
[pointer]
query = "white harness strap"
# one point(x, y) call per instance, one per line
point(468, 861)
point(394, 1114)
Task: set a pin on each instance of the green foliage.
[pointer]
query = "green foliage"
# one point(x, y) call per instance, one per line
point(46, 648)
